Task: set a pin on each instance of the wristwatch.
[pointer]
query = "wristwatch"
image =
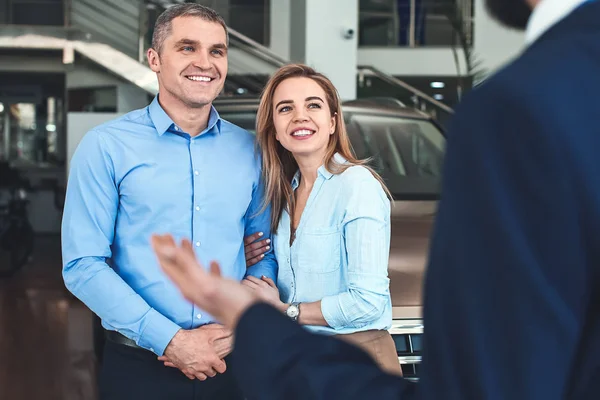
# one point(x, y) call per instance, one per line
point(293, 311)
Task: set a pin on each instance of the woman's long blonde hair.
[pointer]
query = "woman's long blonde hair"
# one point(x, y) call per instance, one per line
point(278, 164)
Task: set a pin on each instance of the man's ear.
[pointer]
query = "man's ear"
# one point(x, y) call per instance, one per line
point(153, 60)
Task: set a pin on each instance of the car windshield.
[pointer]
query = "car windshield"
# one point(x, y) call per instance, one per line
point(408, 153)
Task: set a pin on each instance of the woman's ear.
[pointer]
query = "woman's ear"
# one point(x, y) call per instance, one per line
point(333, 123)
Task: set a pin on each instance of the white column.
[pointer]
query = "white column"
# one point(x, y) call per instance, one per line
point(324, 36)
point(280, 28)
point(494, 44)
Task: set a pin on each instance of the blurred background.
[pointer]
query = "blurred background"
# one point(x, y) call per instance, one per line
point(68, 65)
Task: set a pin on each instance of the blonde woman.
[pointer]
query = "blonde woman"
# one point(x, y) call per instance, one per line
point(330, 217)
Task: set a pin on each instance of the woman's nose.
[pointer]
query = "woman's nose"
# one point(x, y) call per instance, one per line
point(300, 115)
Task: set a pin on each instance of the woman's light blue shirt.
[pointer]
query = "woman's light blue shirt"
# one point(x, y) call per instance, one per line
point(340, 254)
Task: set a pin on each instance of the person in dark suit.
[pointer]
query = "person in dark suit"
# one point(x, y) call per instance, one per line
point(512, 293)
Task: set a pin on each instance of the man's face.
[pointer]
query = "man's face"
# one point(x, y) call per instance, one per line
point(192, 64)
point(512, 13)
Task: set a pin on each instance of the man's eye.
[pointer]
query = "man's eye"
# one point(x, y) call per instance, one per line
point(187, 48)
point(218, 52)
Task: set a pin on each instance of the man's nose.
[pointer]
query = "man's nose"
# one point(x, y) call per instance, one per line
point(202, 60)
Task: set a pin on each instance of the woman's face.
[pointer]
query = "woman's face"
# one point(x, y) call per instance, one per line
point(302, 118)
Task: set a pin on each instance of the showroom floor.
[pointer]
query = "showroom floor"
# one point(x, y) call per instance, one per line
point(45, 333)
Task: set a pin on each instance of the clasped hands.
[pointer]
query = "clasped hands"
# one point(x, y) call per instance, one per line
point(199, 353)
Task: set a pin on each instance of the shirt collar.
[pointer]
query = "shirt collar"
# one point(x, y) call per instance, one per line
point(322, 171)
point(546, 14)
point(162, 122)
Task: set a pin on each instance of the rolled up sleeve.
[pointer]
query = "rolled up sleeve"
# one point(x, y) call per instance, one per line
point(366, 230)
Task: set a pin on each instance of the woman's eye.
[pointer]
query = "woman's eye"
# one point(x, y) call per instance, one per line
point(314, 105)
point(284, 109)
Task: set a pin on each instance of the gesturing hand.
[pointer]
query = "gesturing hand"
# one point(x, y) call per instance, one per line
point(265, 288)
point(223, 298)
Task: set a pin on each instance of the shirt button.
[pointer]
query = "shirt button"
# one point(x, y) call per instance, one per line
point(199, 316)
point(176, 128)
point(197, 244)
point(196, 173)
point(151, 349)
point(197, 208)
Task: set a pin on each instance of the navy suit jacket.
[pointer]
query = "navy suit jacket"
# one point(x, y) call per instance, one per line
point(512, 297)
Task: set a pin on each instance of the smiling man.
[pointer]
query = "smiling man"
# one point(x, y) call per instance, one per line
point(174, 166)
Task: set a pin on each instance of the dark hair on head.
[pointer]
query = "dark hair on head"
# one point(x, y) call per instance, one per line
point(162, 27)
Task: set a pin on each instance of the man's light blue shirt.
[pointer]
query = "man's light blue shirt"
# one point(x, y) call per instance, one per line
point(341, 252)
point(138, 175)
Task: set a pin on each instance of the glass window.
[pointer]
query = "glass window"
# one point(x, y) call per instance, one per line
point(32, 119)
point(407, 153)
point(4, 140)
point(250, 18)
point(30, 133)
point(96, 99)
point(377, 5)
point(246, 120)
point(414, 23)
point(24, 128)
point(36, 12)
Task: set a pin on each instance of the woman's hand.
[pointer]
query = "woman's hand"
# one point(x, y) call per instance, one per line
point(265, 289)
point(255, 249)
point(223, 298)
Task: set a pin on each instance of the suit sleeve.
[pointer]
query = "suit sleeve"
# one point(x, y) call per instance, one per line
point(275, 358)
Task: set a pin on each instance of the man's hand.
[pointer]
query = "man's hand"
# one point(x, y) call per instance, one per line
point(199, 353)
point(255, 249)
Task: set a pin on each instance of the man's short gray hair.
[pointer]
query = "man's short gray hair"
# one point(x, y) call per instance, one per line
point(162, 27)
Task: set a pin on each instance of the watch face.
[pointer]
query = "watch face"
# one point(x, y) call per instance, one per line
point(292, 311)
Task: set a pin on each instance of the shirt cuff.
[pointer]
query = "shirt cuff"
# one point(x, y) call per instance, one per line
point(333, 313)
point(158, 333)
